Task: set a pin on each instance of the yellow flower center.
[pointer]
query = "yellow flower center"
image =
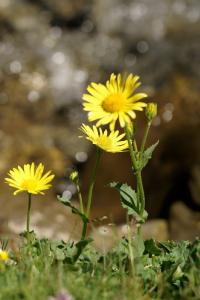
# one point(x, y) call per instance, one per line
point(114, 103)
point(104, 142)
point(29, 184)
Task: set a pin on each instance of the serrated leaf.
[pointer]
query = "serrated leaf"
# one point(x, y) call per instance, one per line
point(74, 209)
point(128, 197)
point(146, 156)
point(129, 200)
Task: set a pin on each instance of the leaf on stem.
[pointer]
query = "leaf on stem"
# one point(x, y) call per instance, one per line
point(129, 200)
point(64, 200)
point(145, 156)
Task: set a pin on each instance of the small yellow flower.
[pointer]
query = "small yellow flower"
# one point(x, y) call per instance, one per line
point(29, 179)
point(3, 255)
point(110, 143)
point(151, 110)
point(114, 101)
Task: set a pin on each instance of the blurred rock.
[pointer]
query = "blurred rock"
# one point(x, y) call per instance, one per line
point(64, 8)
point(156, 229)
point(177, 154)
point(195, 183)
point(184, 223)
point(107, 236)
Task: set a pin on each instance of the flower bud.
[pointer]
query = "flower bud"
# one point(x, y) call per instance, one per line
point(151, 111)
point(131, 128)
point(73, 176)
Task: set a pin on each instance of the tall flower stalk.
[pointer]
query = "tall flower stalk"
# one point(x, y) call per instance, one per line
point(29, 179)
point(116, 100)
point(140, 190)
point(28, 213)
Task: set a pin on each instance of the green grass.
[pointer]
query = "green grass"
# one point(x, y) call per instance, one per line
point(41, 269)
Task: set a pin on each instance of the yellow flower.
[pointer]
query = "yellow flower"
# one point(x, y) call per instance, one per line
point(29, 179)
point(3, 255)
point(114, 101)
point(110, 143)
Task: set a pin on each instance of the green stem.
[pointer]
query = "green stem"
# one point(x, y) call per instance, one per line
point(138, 186)
point(145, 136)
point(28, 214)
point(140, 176)
point(140, 189)
point(138, 232)
point(80, 198)
point(142, 195)
point(135, 145)
point(130, 145)
point(92, 182)
point(84, 230)
point(130, 246)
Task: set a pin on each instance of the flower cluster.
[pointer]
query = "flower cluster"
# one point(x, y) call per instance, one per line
point(109, 103)
point(115, 102)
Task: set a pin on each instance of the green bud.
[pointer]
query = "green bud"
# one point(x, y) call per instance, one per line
point(151, 111)
point(73, 176)
point(131, 128)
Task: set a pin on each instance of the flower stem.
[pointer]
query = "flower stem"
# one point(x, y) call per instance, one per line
point(80, 198)
point(84, 230)
point(130, 145)
point(28, 214)
point(145, 136)
point(140, 189)
point(92, 182)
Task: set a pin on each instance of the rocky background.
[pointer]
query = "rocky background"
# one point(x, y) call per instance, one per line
point(49, 51)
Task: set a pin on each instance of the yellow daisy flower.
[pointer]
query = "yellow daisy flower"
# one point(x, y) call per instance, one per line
point(3, 255)
point(108, 142)
point(114, 101)
point(29, 179)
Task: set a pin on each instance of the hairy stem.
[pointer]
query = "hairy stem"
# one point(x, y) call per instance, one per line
point(28, 214)
point(145, 136)
point(80, 198)
point(84, 230)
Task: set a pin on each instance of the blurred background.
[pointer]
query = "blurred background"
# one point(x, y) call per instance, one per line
point(49, 52)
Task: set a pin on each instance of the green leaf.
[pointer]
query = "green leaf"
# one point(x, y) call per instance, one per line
point(64, 200)
point(129, 200)
point(146, 156)
point(151, 247)
point(80, 246)
point(128, 196)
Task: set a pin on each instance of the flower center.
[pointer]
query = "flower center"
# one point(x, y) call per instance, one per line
point(29, 184)
point(104, 142)
point(113, 103)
